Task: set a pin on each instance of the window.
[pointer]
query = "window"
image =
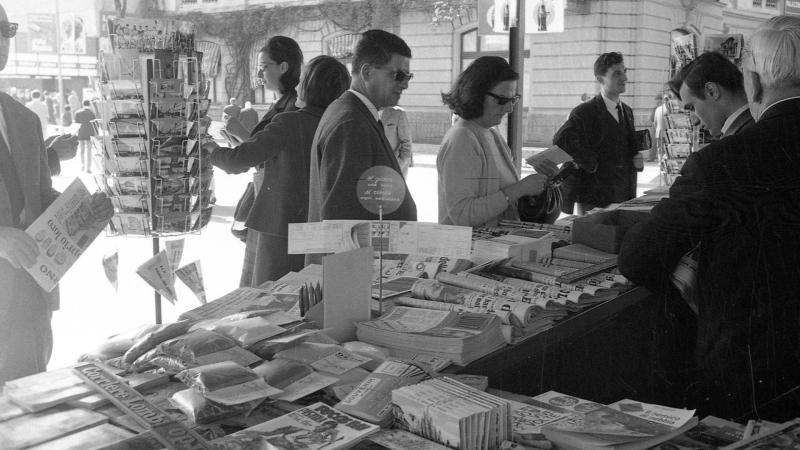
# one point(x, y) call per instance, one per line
point(771, 4)
point(474, 46)
point(188, 1)
point(757, 3)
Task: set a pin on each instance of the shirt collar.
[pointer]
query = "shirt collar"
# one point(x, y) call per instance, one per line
point(372, 109)
point(4, 128)
point(779, 101)
point(610, 104)
point(732, 118)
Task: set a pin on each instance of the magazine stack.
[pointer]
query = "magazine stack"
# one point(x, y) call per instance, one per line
point(459, 337)
point(453, 414)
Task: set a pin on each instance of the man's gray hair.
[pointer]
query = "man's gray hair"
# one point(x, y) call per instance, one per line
point(773, 52)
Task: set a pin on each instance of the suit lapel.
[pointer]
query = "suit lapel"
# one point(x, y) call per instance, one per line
point(376, 128)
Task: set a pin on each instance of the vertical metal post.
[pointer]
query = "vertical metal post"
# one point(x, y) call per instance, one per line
point(157, 296)
point(61, 100)
point(516, 50)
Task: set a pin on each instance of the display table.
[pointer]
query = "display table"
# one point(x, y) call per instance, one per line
point(602, 353)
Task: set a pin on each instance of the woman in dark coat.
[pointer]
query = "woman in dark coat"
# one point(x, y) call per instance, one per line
point(283, 147)
point(279, 66)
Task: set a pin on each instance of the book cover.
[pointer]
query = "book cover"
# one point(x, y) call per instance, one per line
point(313, 427)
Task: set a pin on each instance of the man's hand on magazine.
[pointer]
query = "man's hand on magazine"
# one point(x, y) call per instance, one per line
point(102, 207)
point(17, 247)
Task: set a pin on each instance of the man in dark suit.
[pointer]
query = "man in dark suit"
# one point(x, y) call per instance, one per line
point(600, 136)
point(738, 200)
point(713, 87)
point(350, 139)
point(25, 192)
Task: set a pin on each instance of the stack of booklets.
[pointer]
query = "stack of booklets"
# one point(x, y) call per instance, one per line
point(313, 427)
point(459, 337)
point(453, 414)
point(786, 435)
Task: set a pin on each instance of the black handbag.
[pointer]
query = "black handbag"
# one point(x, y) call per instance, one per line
point(542, 208)
point(243, 207)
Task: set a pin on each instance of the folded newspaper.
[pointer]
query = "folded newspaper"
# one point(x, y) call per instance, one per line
point(62, 233)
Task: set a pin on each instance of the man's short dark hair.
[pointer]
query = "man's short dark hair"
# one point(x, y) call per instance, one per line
point(710, 67)
point(605, 61)
point(469, 91)
point(285, 49)
point(36, 94)
point(87, 103)
point(324, 81)
point(376, 48)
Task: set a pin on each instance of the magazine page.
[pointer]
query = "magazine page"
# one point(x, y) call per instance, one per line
point(313, 427)
point(672, 417)
point(786, 435)
point(409, 320)
point(63, 232)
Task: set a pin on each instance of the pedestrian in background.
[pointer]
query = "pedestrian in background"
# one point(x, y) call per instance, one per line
point(84, 117)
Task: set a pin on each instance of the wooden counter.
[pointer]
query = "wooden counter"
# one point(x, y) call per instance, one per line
point(603, 354)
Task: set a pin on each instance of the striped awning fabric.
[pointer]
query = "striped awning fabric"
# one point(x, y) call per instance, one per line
point(343, 46)
point(211, 56)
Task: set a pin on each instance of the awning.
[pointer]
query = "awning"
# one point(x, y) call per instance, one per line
point(211, 57)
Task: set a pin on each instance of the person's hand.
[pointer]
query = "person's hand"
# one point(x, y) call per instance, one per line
point(546, 167)
point(17, 247)
point(102, 208)
point(65, 146)
point(210, 146)
point(533, 184)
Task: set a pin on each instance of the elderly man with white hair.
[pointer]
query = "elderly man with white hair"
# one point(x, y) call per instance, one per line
point(738, 202)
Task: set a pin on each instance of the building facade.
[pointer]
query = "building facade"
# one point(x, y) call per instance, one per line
point(557, 66)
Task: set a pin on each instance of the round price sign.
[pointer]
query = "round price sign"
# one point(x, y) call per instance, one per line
point(381, 190)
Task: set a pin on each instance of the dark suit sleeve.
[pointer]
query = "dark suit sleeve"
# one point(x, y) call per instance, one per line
point(48, 194)
point(573, 137)
point(262, 146)
point(347, 153)
point(652, 249)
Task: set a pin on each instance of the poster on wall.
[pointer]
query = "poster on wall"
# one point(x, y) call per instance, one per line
point(42, 29)
point(73, 34)
point(541, 16)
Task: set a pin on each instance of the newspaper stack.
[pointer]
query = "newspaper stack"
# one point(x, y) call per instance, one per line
point(453, 414)
point(459, 337)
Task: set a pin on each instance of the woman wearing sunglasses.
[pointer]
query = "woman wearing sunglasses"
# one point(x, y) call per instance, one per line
point(478, 182)
point(283, 147)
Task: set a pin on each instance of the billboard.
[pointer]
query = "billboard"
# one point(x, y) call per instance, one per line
point(73, 34)
point(541, 16)
point(42, 32)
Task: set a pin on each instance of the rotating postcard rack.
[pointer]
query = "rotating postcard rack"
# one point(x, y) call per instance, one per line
point(151, 129)
point(678, 142)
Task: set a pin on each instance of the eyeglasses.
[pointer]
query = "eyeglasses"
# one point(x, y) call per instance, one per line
point(501, 100)
point(8, 29)
point(263, 67)
point(398, 75)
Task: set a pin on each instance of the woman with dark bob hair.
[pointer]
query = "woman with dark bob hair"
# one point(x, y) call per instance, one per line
point(478, 183)
point(283, 147)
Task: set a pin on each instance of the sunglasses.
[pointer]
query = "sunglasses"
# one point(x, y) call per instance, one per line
point(8, 29)
point(398, 75)
point(501, 100)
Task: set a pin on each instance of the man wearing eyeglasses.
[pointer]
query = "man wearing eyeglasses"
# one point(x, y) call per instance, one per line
point(350, 138)
point(600, 136)
point(25, 191)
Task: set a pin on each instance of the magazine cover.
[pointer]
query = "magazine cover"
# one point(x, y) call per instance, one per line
point(63, 232)
point(317, 426)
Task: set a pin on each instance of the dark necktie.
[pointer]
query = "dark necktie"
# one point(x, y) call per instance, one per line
point(620, 114)
point(8, 171)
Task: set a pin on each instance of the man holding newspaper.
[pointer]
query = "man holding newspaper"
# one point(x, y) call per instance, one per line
point(25, 192)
